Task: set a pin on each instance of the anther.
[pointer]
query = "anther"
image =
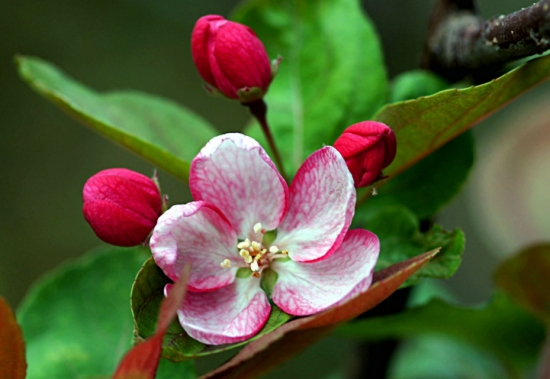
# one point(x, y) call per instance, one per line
point(226, 263)
point(254, 266)
point(257, 227)
point(245, 255)
point(244, 245)
point(273, 249)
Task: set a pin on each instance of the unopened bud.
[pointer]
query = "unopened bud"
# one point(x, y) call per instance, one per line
point(231, 59)
point(121, 206)
point(368, 147)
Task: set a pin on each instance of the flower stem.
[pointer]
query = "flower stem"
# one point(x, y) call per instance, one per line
point(258, 109)
point(361, 198)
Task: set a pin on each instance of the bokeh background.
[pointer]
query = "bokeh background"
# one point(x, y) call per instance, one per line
point(45, 156)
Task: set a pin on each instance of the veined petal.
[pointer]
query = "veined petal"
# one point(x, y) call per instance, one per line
point(199, 234)
point(321, 207)
point(228, 315)
point(307, 288)
point(234, 173)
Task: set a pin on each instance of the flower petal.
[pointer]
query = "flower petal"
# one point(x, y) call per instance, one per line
point(321, 206)
point(234, 173)
point(242, 57)
point(228, 315)
point(199, 234)
point(202, 33)
point(307, 288)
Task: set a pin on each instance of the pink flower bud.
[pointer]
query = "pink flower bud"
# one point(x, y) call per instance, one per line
point(231, 58)
point(368, 147)
point(121, 206)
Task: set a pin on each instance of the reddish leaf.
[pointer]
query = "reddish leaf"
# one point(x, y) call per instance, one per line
point(12, 346)
point(385, 282)
point(142, 361)
point(267, 352)
point(526, 278)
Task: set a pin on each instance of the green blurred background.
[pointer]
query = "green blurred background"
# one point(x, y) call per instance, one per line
point(46, 157)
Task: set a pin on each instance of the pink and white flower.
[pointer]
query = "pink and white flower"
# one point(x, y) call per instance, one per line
point(239, 199)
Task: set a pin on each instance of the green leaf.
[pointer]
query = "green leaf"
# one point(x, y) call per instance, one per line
point(76, 321)
point(147, 294)
point(526, 278)
point(332, 73)
point(159, 130)
point(414, 84)
point(431, 183)
point(436, 356)
point(500, 328)
point(400, 238)
point(424, 125)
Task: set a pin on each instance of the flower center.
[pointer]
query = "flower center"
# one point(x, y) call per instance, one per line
point(257, 256)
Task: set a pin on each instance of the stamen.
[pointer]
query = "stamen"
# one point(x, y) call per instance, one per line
point(254, 266)
point(226, 263)
point(244, 245)
point(257, 227)
point(273, 249)
point(245, 255)
point(256, 246)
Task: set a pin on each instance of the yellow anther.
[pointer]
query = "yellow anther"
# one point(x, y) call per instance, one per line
point(246, 256)
point(226, 263)
point(244, 245)
point(257, 227)
point(256, 246)
point(273, 249)
point(254, 266)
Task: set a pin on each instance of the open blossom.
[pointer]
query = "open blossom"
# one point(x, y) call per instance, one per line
point(368, 147)
point(226, 235)
point(230, 58)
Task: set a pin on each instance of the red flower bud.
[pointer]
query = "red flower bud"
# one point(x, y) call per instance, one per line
point(231, 58)
point(368, 147)
point(121, 206)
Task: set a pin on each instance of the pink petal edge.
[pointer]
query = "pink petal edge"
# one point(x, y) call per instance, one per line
point(321, 207)
point(231, 314)
point(306, 288)
point(234, 173)
point(199, 234)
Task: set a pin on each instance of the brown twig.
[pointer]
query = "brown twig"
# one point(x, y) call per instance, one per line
point(460, 42)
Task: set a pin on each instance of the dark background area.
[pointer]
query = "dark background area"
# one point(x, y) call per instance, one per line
point(45, 156)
